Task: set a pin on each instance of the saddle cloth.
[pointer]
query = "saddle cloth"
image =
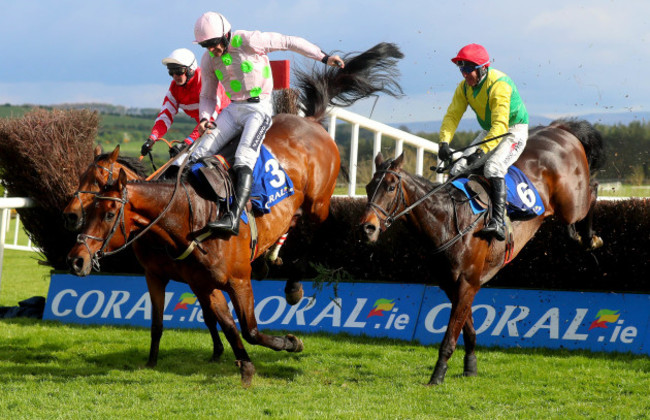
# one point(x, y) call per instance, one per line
point(523, 200)
point(271, 184)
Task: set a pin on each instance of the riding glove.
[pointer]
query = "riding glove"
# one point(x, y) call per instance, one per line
point(444, 151)
point(176, 149)
point(146, 147)
point(474, 157)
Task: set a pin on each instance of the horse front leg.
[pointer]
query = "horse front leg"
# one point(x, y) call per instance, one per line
point(461, 307)
point(210, 320)
point(156, 286)
point(469, 337)
point(243, 302)
point(216, 305)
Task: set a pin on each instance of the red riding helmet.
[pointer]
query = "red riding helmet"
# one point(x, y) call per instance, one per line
point(474, 53)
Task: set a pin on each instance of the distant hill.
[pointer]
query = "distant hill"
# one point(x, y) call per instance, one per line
point(470, 124)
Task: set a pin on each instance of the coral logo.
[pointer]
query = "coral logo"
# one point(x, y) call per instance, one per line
point(603, 317)
point(380, 306)
point(185, 299)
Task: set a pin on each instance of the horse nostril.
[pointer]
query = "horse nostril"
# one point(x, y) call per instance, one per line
point(369, 228)
point(75, 264)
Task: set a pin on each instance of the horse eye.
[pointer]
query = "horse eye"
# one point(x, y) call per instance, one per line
point(391, 188)
point(109, 216)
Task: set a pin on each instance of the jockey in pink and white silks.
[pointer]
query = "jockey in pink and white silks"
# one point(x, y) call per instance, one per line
point(494, 98)
point(239, 61)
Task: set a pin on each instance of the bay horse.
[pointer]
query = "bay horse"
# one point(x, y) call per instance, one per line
point(559, 160)
point(161, 223)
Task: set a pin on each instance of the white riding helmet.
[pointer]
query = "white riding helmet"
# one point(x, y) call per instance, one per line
point(211, 25)
point(181, 57)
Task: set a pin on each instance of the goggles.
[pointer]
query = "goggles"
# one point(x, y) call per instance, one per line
point(176, 71)
point(467, 67)
point(213, 42)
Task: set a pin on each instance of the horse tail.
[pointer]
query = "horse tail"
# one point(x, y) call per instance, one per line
point(589, 136)
point(364, 74)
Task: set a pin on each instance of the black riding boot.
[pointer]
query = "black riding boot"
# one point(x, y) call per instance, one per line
point(230, 221)
point(496, 225)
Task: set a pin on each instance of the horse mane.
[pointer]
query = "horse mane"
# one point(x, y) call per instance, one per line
point(132, 163)
point(364, 74)
point(591, 140)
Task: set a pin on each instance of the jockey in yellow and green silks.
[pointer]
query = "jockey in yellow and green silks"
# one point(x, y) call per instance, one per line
point(502, 115)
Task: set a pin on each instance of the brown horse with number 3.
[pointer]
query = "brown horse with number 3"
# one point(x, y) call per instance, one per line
point(161, 223)
point(558, 160)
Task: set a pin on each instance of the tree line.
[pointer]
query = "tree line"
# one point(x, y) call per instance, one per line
point(627, 149)
point(627, 145)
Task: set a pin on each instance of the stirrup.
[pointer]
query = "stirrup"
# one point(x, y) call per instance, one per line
point(228, 223)
point(495, 229)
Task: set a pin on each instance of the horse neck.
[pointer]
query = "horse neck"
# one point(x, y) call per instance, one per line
point(148, 200)
point(431, 216)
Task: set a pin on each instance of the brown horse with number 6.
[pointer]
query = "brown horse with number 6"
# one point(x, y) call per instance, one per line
point(558, 160)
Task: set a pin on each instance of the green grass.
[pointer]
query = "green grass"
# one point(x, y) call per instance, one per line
point(61, 371)
point(616, 190)
point(22, 277)
point(50, 370)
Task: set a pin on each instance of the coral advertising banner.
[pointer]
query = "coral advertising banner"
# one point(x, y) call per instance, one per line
point(502, 317)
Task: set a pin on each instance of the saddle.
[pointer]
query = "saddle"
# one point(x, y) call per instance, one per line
point(478, 188)
point(215, 174)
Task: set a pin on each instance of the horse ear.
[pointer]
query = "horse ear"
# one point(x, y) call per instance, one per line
point(98, 150)
point(379, 159)
point(115, 153)
point(121, 179)
point(398, 162)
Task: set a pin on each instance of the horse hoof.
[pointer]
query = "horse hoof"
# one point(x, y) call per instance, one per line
point(247, 370)
point(439, 373)
point(294, 296)
point(596, 242)
point(296, 344)
point(470, 365)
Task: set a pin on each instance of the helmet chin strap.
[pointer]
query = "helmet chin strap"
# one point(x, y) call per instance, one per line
point(482, 72)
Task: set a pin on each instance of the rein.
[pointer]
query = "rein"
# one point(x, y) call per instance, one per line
point(389, 218)
point(81, 238)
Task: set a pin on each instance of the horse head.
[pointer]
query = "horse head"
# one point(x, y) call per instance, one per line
point(385, 196)
point(105, 228)
point(104, 169)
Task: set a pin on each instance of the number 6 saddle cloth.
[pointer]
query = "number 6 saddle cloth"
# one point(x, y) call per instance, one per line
point(523, 200)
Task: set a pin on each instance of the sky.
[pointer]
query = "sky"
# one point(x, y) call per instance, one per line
point(566, 57)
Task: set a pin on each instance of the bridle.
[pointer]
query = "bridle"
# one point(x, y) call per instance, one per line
point(82, 238)
point(119, 220)
point(109, 179)
point(389, 216)
point(399, 199)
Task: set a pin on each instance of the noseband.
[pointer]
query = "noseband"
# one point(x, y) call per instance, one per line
point(388, 218)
